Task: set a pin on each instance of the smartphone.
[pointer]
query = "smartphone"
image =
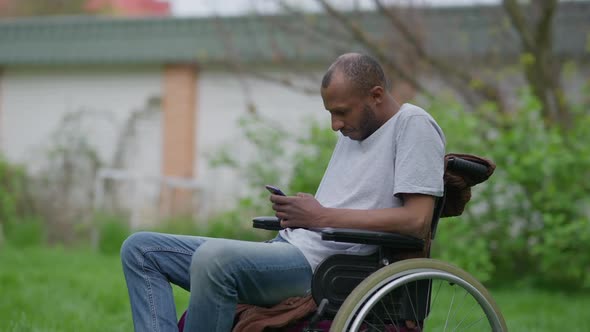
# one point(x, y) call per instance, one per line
point(274, 190)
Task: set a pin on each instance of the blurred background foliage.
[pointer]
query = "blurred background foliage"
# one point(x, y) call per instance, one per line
point(528, 223)
point(530, 220)
point(18, 222)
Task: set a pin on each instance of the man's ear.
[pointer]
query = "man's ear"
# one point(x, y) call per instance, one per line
point(377, 93)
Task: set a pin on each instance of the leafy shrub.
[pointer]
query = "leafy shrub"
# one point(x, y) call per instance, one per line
point(311, 158)
point(532, 214)
point(270, 165)
point(112, 231)
point(27, 232)
point(18, 222)
point(459, 243)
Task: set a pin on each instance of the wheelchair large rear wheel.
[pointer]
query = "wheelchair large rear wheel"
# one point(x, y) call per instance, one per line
point(419, 295)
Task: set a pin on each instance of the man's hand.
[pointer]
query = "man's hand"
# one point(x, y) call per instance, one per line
point(302, 210)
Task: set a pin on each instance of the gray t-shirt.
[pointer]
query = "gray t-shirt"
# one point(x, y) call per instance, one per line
point(405, 155)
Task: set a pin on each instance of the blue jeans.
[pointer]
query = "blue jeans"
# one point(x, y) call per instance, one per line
point(219, 273)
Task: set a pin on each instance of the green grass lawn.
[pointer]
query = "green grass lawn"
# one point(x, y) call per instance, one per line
point(60, 289)
point(56, 289)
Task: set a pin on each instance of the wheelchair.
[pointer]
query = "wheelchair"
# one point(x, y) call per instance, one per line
point(397, 288)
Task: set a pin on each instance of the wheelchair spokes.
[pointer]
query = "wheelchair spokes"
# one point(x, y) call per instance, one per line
point(433, 296)
point(452, 309)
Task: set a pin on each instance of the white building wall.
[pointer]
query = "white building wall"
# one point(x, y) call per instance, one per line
point(34, 100)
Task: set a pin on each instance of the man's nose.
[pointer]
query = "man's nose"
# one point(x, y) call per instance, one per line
point(337, 124)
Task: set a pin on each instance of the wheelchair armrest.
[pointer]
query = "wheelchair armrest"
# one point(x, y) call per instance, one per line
point(267, 222)
point(391, 240)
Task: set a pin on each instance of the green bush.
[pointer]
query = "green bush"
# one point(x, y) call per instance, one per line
point(18, 223)
point(112, 231)
point(311, 158)
point(532, 214)
point(459, 243)
point(270, 166)
point(27, 232)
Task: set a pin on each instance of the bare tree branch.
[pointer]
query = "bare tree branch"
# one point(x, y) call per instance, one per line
point(361, 36)
point(541, 68)
point(328, 32)
point(543, 34)
point(519, 23)
point(462, 79)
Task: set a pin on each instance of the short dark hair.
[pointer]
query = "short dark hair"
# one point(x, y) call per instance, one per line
point(361, 69)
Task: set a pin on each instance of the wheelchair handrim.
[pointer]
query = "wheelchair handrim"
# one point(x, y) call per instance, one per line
point(394, 281)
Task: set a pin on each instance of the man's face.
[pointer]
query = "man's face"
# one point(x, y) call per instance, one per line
point(352, 113)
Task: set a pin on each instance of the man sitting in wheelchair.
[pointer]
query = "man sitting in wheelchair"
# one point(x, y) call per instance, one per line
point(385, 175)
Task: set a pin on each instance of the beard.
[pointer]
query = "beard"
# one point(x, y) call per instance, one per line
point(368, 122)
